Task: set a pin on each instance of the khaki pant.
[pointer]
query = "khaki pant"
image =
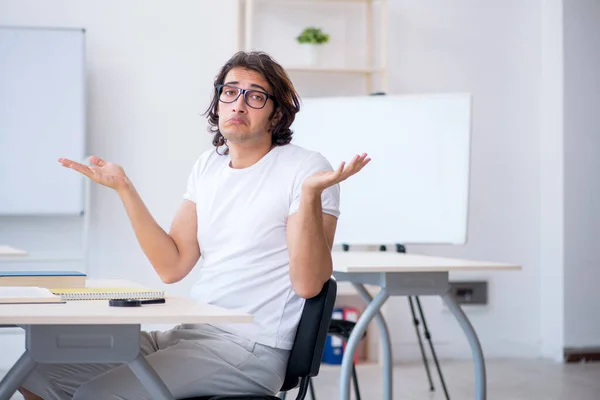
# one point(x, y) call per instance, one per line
point(192, 360)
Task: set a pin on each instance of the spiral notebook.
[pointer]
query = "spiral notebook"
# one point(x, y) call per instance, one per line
point(108, 293)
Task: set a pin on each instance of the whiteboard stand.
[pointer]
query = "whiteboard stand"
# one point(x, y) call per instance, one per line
point(400, 248)
point(418, 181)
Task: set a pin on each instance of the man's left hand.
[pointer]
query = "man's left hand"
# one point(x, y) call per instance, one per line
point(322, 180)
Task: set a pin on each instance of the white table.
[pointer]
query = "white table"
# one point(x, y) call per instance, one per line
point(6, 250)
point(92, 331)
point(401, 274)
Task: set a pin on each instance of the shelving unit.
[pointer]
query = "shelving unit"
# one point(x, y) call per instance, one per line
point(246, 22)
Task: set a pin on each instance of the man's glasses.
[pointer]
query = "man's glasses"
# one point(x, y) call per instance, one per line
point(253, 98)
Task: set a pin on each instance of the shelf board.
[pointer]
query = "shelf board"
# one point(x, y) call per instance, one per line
point(44, 257)
point(334, 70)
point(319, 1)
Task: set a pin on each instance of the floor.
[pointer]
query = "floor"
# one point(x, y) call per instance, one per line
point(507, 380)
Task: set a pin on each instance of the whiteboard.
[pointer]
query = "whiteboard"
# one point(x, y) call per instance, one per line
point(415, 189)
point(42, 118)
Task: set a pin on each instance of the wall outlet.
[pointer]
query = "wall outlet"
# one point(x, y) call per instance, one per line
point(470, 292)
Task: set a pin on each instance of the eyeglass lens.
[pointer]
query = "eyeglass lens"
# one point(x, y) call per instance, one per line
point(254, 98)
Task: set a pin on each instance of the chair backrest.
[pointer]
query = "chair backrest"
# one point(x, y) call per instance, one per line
point(305, 356)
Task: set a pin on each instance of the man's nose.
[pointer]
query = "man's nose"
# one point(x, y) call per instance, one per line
point(240, 104)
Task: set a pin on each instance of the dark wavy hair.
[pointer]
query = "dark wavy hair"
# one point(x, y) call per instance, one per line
point(285, 97)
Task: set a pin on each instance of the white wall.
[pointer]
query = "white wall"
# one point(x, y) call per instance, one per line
point(492, 51)
point(552, 188)
point(582, 172)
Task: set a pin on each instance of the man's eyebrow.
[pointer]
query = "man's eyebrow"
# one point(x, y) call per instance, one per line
point(252, 85)
point(260, 87)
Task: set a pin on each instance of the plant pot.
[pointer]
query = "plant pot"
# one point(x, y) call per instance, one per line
point(312, 54)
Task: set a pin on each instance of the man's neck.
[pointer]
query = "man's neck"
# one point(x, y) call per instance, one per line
point(246, 156)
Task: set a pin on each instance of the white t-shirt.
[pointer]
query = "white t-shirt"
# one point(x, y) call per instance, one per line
point(242, 218)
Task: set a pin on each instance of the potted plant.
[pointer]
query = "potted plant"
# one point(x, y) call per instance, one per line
point(312, 39)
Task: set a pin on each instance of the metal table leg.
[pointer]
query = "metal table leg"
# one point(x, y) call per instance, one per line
point(480, 378)
point(352, 343)
point(16, 375)
point(386, 343)
point(150, 379)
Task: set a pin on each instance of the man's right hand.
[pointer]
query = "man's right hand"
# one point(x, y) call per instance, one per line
point(173, 254)
point(102, 172)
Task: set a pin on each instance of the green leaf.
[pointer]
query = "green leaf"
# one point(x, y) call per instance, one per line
point(312, 35)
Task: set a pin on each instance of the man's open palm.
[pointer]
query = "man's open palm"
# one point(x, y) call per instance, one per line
point(324, 179)
point(102, 172)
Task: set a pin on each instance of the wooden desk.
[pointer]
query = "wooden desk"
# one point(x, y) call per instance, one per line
point(401, 274)
point(92, 331)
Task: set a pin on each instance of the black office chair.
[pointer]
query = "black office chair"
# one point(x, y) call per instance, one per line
point(306, 354)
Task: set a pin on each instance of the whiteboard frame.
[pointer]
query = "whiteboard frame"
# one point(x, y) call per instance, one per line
point(467, 180)
point(83, 209)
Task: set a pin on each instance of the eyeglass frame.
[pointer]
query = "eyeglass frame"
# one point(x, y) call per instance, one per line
point(241, 91)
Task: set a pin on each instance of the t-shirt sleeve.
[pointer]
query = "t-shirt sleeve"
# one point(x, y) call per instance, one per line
point(330, 198)
point(190, 193)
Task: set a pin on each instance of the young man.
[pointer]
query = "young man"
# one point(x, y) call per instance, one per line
point(262, 213)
